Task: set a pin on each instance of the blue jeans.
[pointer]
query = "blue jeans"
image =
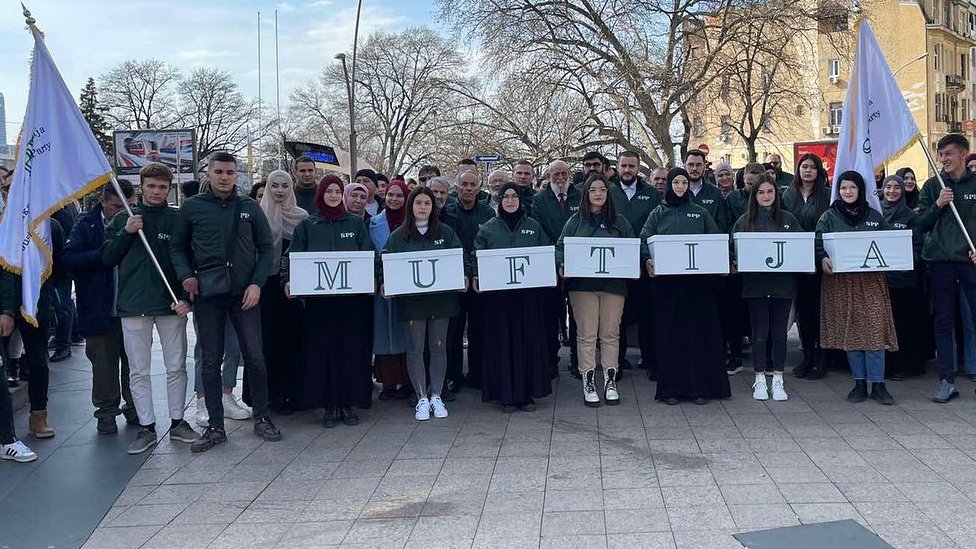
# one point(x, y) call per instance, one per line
point(867, 365)
point(949, 281)
point(232, 359)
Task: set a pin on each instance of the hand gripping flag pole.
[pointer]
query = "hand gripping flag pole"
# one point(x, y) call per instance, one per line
point(952, 205)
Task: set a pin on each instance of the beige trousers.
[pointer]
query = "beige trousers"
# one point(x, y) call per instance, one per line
point(597, 315)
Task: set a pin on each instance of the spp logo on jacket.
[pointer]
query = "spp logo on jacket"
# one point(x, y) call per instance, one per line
point(693, 215)
point(245, 216)
point(643, 197)
point(871, 223)
point(528, 231)
point(162, 236)
point(708, 201)
point(346, 235)
point(439, 242)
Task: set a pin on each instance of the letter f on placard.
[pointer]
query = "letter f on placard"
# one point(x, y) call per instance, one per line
point(603, 257)
point(341, 274)
point(779, 255)
point(417, 279)
point(516, 266)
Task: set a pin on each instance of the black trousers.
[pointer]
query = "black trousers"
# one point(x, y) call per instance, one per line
point(471, 317)
point(734, 317)
point(7, 433)
point(35, 354)
point(808, 313)
point(110, 372)
point(212, 314)
point(769, 317)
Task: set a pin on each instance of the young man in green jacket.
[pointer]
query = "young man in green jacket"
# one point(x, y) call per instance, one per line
point(704, 193)
point(226, 288)
point(142, 301)
point(950, 261)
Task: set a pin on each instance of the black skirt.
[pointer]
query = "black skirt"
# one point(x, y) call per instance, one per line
point(689, 345)
point(516, 361)
point(913, 325)
point(338, 351)
point(281, 338)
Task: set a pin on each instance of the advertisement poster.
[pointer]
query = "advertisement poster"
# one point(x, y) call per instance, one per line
point(826, 150)
point(174, 148)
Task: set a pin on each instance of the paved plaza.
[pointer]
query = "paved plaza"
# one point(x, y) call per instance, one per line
point(638, 475)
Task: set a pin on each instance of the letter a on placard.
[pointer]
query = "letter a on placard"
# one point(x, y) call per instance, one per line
point(874, 254)
point(779, 255)
point(417, 281)
point(341, 273)
point(692, 264)
point(516, 266)
point(603, 257)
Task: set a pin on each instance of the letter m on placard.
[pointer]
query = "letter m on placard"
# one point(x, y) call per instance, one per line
point(874, 255)
point(340, 274)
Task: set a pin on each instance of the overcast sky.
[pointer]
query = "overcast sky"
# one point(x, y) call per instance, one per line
point(88, 37)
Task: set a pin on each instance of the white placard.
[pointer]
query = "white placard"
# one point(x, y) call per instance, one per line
point(870, 251)
point(331, 273)
point(516, 268)
point(606, 257)
point(423, 272)
point(778, 252)
point(689, 253)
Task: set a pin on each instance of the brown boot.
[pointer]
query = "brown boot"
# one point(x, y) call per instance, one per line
point(38, 425)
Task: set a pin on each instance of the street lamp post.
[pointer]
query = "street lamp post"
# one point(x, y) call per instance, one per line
point(919, 58)
point(351, 91)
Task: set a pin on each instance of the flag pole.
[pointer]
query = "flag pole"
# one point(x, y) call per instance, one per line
point(952, 205)
point(145, 243)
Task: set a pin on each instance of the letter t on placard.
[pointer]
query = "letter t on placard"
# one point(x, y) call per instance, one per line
point(603, 257)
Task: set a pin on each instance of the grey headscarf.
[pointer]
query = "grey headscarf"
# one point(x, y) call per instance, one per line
point(893, 209)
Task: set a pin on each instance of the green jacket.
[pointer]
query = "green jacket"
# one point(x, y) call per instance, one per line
point(470, 221)
point(688, 218)
point(424, 306)
point(944, 240)
point(710, 198)
point(805, 212)
point(495, 234)
point(640, 206)
point(736, 205)
point(588, 229)
point(546, 210)
point(200, 235)
point(833, 222)
point(906, 219)
point(304, 198)
point(317, 234)
point(140, 292)
point(780, 285)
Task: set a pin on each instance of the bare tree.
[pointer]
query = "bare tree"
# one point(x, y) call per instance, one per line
point(140, 94)
point(211, 102)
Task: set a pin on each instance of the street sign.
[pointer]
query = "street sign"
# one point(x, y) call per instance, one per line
point(488, 158)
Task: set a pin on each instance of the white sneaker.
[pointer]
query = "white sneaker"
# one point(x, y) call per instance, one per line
point(17, 451)
point(440, 412)
point(235, 409)
point(422, 411)
point(759, 389)
point(779, 393)
point(202, 417)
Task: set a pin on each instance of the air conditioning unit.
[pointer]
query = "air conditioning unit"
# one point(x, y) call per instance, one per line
point(835, 130)
point(826, 130)
point(834, 78)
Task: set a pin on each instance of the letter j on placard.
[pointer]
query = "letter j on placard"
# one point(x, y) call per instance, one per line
point(341, 274)
point(516, 266)
point(603, 257)
point(778, 262)
point(417, 278)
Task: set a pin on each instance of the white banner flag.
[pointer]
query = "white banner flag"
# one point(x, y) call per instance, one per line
point(58, 162)
point(876, 123)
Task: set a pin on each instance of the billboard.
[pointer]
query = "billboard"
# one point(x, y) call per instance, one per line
point(323, 154)
point(826, 150)
point(174, 148)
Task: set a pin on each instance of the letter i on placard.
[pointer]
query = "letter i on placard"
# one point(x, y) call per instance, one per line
point(692, 263)
point(417, 279)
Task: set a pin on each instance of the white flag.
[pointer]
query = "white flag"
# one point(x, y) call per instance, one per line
point(876, 122)
point(58, 162)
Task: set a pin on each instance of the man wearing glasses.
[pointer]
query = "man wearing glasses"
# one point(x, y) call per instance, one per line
point(783, 179)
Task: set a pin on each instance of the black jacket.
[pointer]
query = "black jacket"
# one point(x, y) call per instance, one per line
point(94, 280)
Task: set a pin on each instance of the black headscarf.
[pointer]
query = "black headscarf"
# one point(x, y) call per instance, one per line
point(911, 197)
point(510, 219)
point(890, 210)
point(672, 199)
point(854, 213)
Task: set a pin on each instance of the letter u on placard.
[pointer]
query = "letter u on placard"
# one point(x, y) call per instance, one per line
point(416, 269)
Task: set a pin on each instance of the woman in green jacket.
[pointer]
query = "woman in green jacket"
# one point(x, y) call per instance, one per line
point(855, 311)
point(517, 372)
point(688, 341)
point(427, 315)
point(769, 295)
point(597, 303)
point(336, 328)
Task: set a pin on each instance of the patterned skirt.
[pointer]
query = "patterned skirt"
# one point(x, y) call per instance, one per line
point(855, 313)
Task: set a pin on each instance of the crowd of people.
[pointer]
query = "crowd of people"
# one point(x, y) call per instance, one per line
point(225, 257)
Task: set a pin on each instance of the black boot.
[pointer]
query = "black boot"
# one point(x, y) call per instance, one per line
point(819, 367)
point(801, 369)
point(331, 418)
point(574, 368)
point(349, 415)
point(880, 393)
point(860, 391)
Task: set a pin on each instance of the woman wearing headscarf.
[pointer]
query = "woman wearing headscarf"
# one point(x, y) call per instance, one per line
point(517, 372)
point(856, 308)
point(911, 186)
point(769, 295)
point(354, 197)
point(281, 318)
point(807, 198)
point(597, 303)
point(389, 332)
point(427, 315)
point(909, 307)
point(688, 344)
point(337, 327)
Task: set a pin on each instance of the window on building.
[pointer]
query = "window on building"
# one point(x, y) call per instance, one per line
point(947, 13)
point(767, 124)
point(799, 108)
point(938, 107)
point(937, 57)
point(833, 69)
point(962, 66)
point(724, 90)
point(726, 127)
point(836, 112)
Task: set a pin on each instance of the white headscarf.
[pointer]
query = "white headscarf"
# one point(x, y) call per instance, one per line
point(284, 217)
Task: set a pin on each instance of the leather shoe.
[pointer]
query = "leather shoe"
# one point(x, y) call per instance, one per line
point(107, 426)
point(60, 355)
point(331, 418)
